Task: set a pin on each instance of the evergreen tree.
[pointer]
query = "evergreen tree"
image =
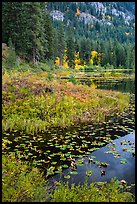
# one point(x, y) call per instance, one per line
point(55, 43)
point(48, 28)
point(23, 24)
point(11, 59)
point(34, 31)
point(85, 50)
point(61, 42)
point(70, 50)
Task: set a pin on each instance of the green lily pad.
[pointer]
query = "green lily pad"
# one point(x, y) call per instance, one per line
point(123, 162)
point(53, 163)
point(65, 166)
point(80, 164)
point(80, 156)
point(63, 148)
point(30, 154)
point(67, 176)
point(73, 172)
point(96, 162)
point(22, 145)
point(67, 154)
point(63, 158)
point(93, 157)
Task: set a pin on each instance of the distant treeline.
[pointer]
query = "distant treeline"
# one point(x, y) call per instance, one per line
point(30, 30)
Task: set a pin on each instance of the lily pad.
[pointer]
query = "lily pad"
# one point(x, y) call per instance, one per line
point(63, 158)
point(123, 162)
point(30, 154)
point(79, 164)
point(63, 148)
point(67, 176)
point(65, 166)
point(73, 172)
point(53, 163)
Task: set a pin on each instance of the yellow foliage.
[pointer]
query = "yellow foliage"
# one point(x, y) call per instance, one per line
point(78, 66)
point(94, 54)
point(77, 12)
point(109, 17)
point(93, 86)
point(99, 58)
point(65, 62)
point(77, 54)
point(57, 61)
point(91, 62)
point(77, 61)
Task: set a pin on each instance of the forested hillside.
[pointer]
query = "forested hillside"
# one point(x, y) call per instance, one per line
point(72, 34)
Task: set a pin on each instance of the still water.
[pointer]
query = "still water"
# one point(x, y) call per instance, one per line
point(115, 168)
point(125, 86)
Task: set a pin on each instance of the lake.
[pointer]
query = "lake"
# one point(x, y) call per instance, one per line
point(121, 163)
point(126, 85)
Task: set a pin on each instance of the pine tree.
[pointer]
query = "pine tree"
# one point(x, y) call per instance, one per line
point(34, 34)
point(70, 50)
point(11, 59)
point(23, 23)
point(61, 43)
point(48, 29)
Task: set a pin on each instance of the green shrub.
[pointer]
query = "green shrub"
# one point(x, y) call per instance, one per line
point(20, 183)
point(95, 192)
point(50, 76)
point(73, 80)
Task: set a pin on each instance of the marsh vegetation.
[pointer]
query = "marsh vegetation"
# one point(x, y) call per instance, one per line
point(55, 125)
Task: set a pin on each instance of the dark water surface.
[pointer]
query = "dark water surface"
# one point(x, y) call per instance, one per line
point(114, 169)
point(125, 86)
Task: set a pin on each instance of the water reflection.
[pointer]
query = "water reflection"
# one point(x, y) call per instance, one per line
point(122, 85)
point(115, 169)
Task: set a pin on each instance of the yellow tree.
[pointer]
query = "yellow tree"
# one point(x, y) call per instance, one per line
point(77, 61)
point(96, 57)
point(65, 61)
point(57, 61)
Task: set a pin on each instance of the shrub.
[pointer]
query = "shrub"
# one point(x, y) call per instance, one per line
point(73, 80)
point(20, 183)
point(95, 192)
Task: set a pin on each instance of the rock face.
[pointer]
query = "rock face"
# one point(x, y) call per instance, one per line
point(57, 15)
point(106, 9)
point(99, 7)
point(88, 18)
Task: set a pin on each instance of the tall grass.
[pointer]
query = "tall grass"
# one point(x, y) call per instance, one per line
point(36, 113)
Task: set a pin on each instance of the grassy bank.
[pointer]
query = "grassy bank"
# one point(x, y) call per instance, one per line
point(33, 102)
point(21, 183)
